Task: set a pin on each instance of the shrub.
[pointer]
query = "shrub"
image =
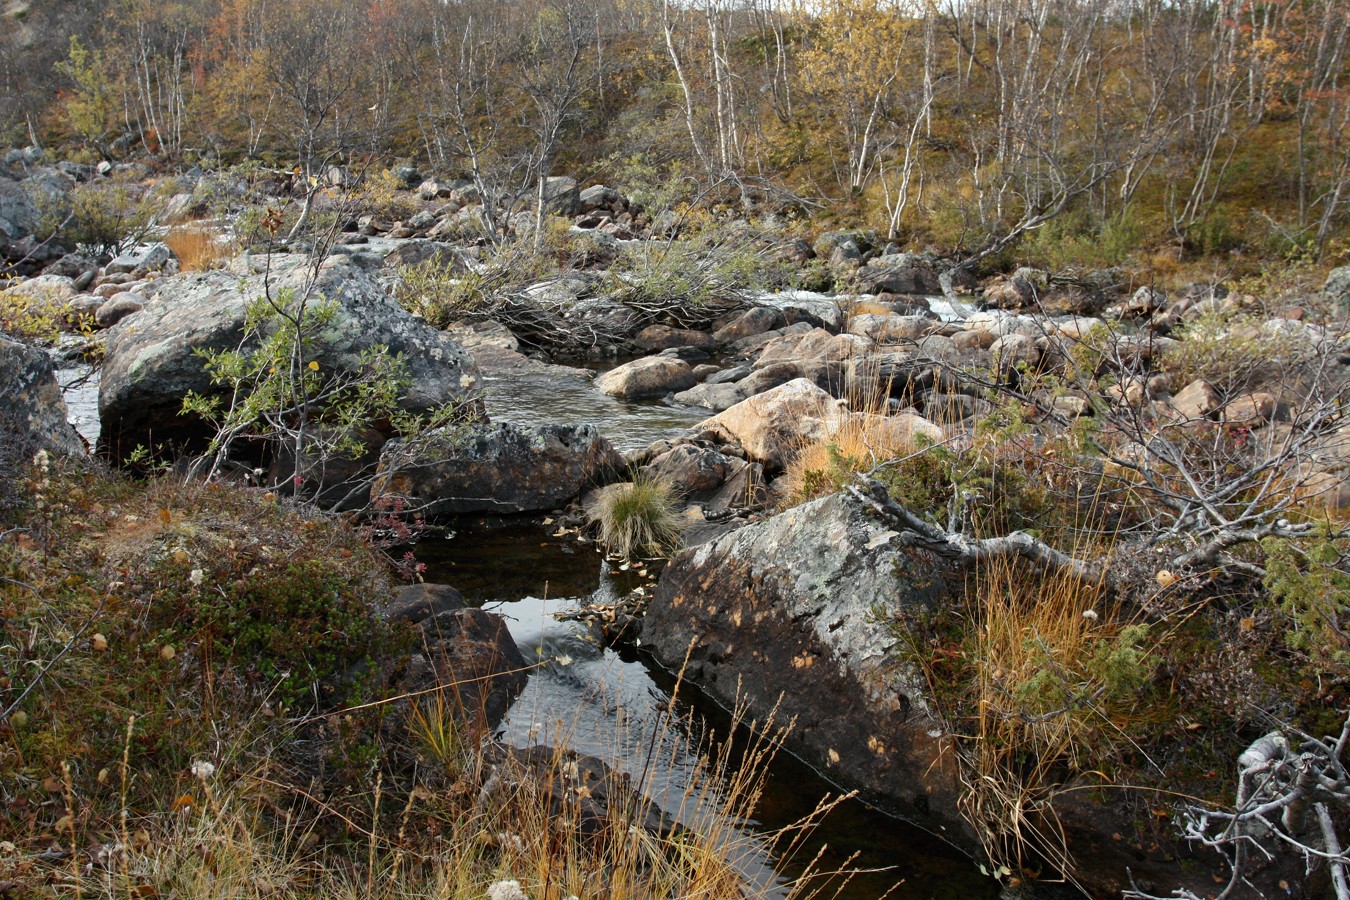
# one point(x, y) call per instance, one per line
point(104, 218)
point(697, 278)
point(1231, 349)
point(440, 295)
point(1310, 588)
point(32, 319)
point(1077, 240)
point(637, 517)
point(383, 196)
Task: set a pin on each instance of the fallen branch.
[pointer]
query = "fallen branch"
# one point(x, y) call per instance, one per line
point(951, 544)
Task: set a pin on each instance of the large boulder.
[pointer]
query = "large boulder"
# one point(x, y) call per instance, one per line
point(418, 252)
point(651, 376)
point(496, 468)
point(1337, 286)
point(770, 426)
point(154, 358)
point(24, 205)
point(151, 259)
point(32, 411)
point(756, 320)
point(792, 614)
point(18, 217)
point(899, 274)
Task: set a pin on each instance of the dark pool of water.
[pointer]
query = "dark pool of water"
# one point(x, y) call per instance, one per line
point(612, 705)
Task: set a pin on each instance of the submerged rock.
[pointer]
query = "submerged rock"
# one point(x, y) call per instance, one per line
point(468, 652)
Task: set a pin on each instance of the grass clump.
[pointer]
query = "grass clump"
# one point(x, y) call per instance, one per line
point(1039, 676)
point(637, 517)
point(197, 248)
point(858, 444)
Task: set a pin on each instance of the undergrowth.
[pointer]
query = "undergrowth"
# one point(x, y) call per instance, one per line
point(195, 701)
point(1039, 677)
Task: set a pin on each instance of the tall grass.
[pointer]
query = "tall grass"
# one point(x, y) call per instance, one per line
point(1042, 678)
point(861, 439)
point(198, 248)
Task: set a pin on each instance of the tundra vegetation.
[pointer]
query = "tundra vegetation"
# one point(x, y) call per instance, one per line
point(1147, 505)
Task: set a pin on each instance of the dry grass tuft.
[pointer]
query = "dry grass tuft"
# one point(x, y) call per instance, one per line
point(198, 249)
point(1047, 674)
point(637, 517)
point(869, 307)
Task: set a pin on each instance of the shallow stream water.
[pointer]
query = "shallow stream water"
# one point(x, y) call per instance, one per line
point(611, 705)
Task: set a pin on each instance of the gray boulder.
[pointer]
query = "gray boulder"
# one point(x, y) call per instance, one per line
point(154, 359)
point(32, 411)
point(1337, 285)
point(118, 307)
point(416, 252)
point(561, 195)
point(153, 258)
point(899, 274)
point(496, 468)
point(715, 397)
point(754, 321)
point(599, 196)
point(793, 614)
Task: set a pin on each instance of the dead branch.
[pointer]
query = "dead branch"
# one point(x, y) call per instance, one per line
point(952, 544)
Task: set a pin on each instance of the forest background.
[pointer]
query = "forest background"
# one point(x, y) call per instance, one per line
point(1069, 132)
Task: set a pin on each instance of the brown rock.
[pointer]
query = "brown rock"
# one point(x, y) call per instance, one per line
point(770, 426)
point(651, 376)
point(1196, 400)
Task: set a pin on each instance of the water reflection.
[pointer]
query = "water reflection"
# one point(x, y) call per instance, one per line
point(614, 706)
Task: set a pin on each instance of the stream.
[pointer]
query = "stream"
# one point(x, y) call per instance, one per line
point(611, 705)
point(608, 704)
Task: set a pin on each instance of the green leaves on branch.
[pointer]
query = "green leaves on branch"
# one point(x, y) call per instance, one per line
point(1310, 587)
point(275, 389)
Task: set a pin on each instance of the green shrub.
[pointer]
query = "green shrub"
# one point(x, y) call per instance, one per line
point(440, 295)
point(1310, 588)
point(103, 218)
point(637, 517)
point(1078, 240)
point(383, 196)
point(301, 628)
point(1231, 349)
